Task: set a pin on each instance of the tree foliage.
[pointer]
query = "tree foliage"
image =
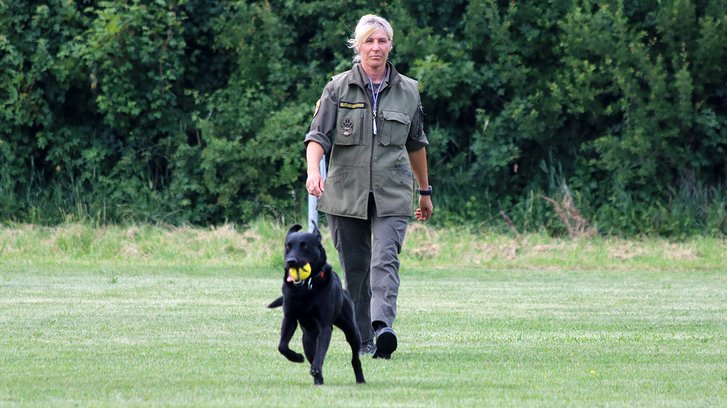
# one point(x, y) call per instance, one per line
point(194, 111)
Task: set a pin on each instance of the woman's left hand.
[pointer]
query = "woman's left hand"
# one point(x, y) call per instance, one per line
point(424, 212)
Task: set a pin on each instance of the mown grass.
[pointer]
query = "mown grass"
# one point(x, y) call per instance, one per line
point(149, 316)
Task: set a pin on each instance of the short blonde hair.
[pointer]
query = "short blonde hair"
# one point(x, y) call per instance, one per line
point(366, 26)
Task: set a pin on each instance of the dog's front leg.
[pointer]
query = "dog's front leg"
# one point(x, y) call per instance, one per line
point(324, 340)
point(286, 333)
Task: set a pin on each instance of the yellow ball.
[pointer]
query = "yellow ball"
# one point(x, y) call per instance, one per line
point(300, 274)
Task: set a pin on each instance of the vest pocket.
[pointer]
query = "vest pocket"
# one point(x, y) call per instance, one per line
point(350, 127)
point(395, 128)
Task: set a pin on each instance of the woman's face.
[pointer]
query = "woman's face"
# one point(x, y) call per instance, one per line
point(375, 50)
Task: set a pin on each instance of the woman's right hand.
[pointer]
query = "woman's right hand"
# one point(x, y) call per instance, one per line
point(315, 184)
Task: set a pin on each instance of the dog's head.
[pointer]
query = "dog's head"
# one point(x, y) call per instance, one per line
point(304, 254)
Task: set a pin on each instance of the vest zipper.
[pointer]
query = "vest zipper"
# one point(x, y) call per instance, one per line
point(371, 159)
point(373, 138)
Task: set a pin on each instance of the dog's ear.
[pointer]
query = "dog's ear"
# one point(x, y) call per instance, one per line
point(294, 228)
point(316, 231)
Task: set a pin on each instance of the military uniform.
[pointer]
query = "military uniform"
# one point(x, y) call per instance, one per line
point(369, 189)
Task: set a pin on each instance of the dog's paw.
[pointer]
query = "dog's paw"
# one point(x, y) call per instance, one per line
point(293, 356)
point(317, 376)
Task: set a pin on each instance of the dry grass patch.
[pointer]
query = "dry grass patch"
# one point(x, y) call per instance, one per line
point(426, 246)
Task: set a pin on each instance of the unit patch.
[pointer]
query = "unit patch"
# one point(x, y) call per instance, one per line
point(347, 127)
point(351, 105)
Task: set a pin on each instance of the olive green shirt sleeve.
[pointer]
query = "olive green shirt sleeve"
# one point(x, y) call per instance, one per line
point(417, 138)
point(324, 121)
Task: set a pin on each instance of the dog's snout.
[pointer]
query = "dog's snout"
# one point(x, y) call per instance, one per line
point(291, 263)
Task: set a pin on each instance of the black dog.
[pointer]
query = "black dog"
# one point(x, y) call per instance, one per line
point(314, 297)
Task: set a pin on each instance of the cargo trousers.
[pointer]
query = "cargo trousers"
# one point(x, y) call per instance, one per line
point(368, 251)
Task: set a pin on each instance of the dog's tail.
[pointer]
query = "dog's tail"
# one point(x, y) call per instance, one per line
point(276, 303)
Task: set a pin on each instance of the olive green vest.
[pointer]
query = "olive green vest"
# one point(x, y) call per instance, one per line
point(361, 162)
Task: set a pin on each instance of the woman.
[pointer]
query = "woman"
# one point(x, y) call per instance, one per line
point(369, 122)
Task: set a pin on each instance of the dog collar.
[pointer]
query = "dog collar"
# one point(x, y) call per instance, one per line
point(310, 279)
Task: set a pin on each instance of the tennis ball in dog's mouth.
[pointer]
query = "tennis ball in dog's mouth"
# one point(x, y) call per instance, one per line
point(300, 274)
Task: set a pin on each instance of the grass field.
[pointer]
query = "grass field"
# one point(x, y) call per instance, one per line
point(144, 316)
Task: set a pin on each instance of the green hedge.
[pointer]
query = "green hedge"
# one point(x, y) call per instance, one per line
point(193, 111)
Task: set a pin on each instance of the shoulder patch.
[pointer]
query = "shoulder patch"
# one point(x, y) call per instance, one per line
point(318, 107)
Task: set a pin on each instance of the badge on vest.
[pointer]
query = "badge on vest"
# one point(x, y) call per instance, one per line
point(347, 127)
point(351, 105)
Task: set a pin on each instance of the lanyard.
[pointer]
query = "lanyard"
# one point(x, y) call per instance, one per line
point(375, 95)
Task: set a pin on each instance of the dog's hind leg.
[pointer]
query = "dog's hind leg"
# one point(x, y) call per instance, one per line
point(347, 323)
point(286, 333)
point(355, 342)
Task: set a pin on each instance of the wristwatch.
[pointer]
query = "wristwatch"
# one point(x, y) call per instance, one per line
point(426, 192)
